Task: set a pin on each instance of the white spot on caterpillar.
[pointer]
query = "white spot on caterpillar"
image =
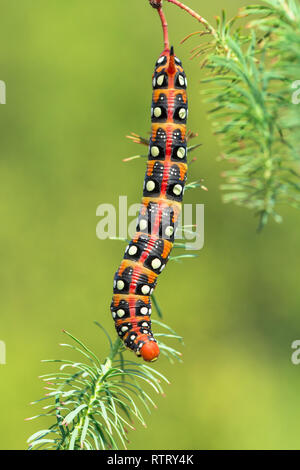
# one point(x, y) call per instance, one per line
point(154, 151)
point(120, 285)
point(181, 80)
point(114, 314)
point(156, 263)
point(145, 324)
point(144, 310)
point(154, 82)
point(145, 289)
point(120, 313)
point(124, 328)
point(181, 152)
point(132, 337)
point(161, 59)
point(177, 190)
point(169, 231)
point(157, 112)
point(132, 250)
point(160, 80)
point(182, 113)
point(150, 185)
point(143, 224)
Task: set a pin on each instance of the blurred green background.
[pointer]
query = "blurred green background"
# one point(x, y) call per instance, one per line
point(78, 76)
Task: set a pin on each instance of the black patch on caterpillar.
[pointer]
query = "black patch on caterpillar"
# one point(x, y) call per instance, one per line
point(133, 251)
point(142, 324)
point(147, 218)
point(180, 110)
point(161, 61)
point(158, 145)
point(155, 257)
point(167, 227)
point(161, 137)
point(141, 307)
point(156, 152)
point(177, 137)
point(140, 244)
point(123, 305)
point(160, 106)
point(122, 282)
point(122, 327)
point(175, 187)
point(160, 81)
point(143, 287)
point(129, 341)
point(152, 184)
point(179, 153)
point(180, 81)
point(144, 224)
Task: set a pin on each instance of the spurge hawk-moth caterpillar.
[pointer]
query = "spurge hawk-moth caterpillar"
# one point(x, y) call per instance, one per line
point(148, 252)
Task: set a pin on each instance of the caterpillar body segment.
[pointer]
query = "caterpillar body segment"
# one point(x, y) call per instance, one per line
point(147, 254)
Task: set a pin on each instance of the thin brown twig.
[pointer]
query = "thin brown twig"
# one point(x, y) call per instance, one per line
point(157, 4)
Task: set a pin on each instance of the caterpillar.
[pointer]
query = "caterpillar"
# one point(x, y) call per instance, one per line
point(148, 252)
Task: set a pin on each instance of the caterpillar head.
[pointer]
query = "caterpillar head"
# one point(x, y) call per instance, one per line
point(150, 351)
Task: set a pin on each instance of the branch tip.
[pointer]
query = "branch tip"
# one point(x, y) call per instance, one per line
point(155, 3)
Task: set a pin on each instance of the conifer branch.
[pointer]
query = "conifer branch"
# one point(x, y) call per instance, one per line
point(250, 75)
point(94, 406)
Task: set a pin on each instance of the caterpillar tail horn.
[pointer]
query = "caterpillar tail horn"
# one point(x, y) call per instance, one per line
point(172, 67)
